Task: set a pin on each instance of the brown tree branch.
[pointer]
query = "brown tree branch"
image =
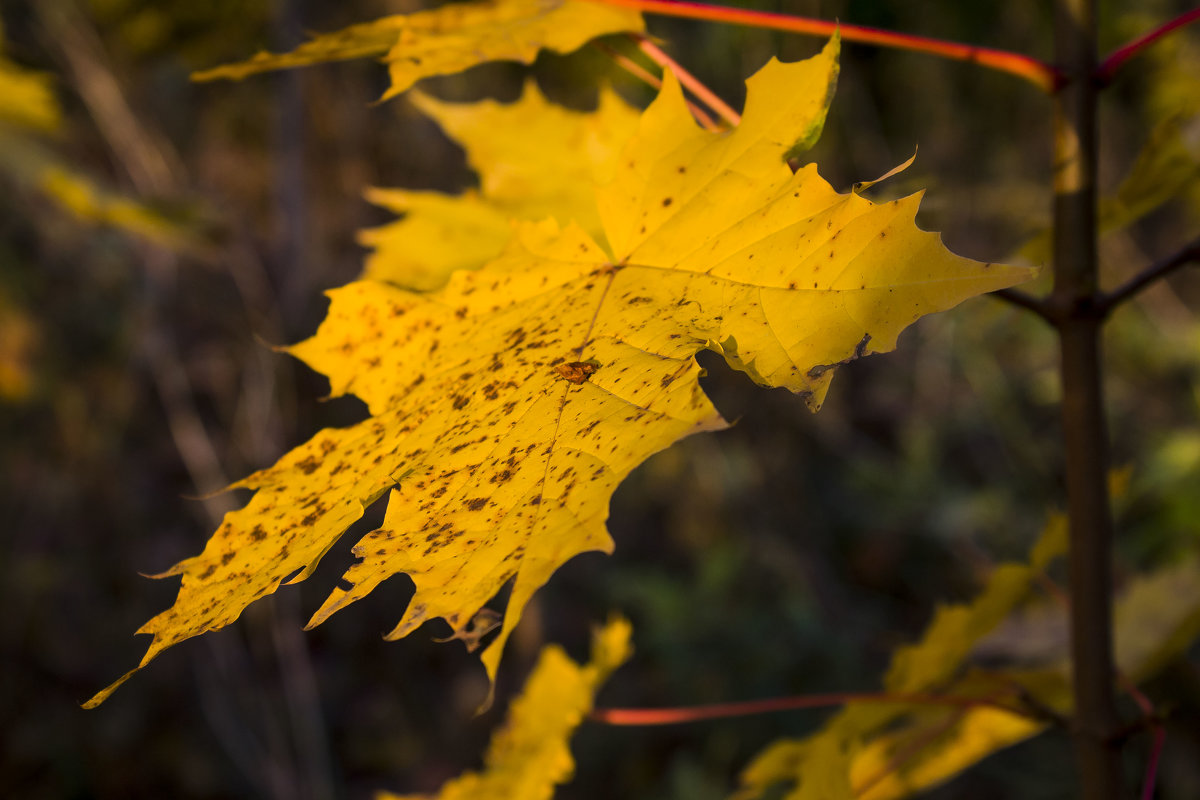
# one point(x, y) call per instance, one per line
point(1026, 301)
point(1186, 255)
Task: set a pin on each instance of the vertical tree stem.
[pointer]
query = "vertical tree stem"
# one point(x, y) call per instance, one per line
point(1075, 297)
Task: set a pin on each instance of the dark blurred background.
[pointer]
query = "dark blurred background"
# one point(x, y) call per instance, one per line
point(788, 555)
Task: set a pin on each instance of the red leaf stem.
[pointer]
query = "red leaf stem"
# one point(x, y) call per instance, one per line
point(1160, 736)
point(1037, 72)
point(641, 73)
point(672, 716)
point(1109, 66)
point(693, 84)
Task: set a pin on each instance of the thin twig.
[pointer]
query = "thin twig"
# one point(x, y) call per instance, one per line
point(1037, 72)
point(1025, 301)
point(1109, 66)
point(629, 65)
point(672, 716)
point(693, 84)
point(1182, 257)
point(1160, 737)
point(650, 79)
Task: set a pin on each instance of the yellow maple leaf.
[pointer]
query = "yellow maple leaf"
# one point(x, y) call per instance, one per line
point(450, 39)
point(508, 406)
point(534, 160)
point(530, 755)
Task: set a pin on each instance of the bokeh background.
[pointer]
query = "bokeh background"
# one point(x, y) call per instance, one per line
point(788, 555)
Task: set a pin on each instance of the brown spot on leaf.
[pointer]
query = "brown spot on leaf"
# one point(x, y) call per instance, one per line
point(576, 371)
point(476, 503)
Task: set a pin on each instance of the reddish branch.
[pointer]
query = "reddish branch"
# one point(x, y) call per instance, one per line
point(1160, 736)
point(673, 716)
point(638, 71)
point(1109, 66)
point(1041, 74)
point(693, 84)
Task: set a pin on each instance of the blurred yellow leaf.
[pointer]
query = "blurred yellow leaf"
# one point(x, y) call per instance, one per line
point(26, 99)
point(438, 234)
point(895, 749)
point(450, 39)
point(1168, 165)
point(530, 754)
point(954, 630)
point(882, 771)
point(89, 203)
point(1156, 618)
point(507, 406)
point(19, 339)
point(903, 749)
point(534, 160)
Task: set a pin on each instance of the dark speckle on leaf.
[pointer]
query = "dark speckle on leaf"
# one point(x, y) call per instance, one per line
point(576, 371)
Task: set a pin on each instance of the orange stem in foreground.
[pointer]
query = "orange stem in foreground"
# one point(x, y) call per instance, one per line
point(645, 76)
point(1037, 72)
point(672, 716)
point(693, 84)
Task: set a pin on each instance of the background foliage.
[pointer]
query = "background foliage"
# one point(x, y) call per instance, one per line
point(788, 555)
